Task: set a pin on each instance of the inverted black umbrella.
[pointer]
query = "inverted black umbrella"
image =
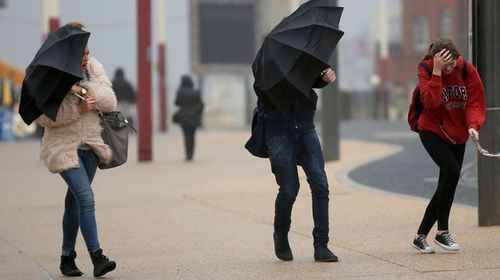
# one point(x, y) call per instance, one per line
point(55, 68)
point(296, 51)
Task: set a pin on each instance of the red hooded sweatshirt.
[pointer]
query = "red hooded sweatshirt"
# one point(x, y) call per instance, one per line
point(451, 105)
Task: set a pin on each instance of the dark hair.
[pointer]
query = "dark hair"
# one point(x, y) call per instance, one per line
point(119, 73)
point(186, 81)
point(443, 43)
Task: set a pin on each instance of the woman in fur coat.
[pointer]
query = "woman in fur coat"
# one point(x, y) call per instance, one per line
point(72, 146)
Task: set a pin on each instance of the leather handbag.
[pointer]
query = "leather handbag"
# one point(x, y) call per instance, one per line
point(115, 131)
point(257, 145)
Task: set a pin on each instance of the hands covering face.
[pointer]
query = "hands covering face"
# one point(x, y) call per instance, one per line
point(444, 61)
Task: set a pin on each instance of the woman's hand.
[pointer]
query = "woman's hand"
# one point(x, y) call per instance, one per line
point(473, 133)
point(88, 104)
point(441, 59)
point(328, 75)
point(77, 89)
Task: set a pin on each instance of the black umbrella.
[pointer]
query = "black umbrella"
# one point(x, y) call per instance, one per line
point(296, 51)
point(55, 68)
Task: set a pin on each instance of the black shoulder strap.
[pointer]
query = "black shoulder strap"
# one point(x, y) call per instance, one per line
point(426, 68)
point(464, 70)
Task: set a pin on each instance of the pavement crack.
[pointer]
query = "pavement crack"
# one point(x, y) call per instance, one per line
point(27, 257)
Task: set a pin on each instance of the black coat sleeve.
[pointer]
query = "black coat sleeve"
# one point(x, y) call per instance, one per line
point(319, 83)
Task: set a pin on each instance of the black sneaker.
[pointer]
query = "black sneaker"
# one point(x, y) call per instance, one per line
point(420, 243)
point(102, 264)
point(323, 254)
point(445, 241)
point(68, 266)
point(281, 247)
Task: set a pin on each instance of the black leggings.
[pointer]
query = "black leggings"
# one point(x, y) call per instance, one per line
point(189, 141)
point(449, 158)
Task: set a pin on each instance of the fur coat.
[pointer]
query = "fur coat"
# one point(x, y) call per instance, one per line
point(71, 129)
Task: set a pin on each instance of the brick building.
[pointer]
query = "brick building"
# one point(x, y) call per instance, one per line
point(422, 21)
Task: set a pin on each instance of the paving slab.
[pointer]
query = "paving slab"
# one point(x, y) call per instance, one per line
point(212, 219)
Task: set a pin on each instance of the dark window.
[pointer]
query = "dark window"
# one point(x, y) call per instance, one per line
point(445, 22)
point(226, 33)
point(421, 34)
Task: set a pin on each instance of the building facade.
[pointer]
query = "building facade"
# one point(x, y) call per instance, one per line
point(423, 22)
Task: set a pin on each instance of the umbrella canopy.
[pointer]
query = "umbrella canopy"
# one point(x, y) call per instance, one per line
point(296, 51)
point(55, 68)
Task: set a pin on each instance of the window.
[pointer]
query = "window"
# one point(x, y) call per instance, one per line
point(226, 32)
point(445, 22)
point(420, 33)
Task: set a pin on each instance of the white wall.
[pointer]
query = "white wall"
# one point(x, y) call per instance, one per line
point(113, 40)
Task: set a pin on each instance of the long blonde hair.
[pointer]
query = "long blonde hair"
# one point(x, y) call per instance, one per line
point(76, 24)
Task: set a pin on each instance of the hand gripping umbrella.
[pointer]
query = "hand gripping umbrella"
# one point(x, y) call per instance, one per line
point(483, 151)
point(296, 51)
point(55, 68)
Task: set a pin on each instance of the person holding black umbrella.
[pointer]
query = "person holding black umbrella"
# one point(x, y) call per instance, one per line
point(64, 89)
point(293, 60)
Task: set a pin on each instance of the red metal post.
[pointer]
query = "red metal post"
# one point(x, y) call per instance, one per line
point(53, 24)
point(144, 79)
point(162, 89)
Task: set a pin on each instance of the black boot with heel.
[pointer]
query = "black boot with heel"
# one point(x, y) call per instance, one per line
point(102, 264)
point(68, 266)
point(282, 247)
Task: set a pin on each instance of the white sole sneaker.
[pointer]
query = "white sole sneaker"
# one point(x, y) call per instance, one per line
point(454, 248)
point(426, 251)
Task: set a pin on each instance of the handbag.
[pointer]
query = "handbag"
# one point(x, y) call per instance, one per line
point(257, 145)
point(115, 130)
point(176, 118)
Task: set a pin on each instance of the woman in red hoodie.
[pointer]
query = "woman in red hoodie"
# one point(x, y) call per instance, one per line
point(454, 110)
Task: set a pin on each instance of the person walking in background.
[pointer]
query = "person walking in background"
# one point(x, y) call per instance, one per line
point(453, 100)
point(189, 114)
point(72, 146)
point(125, 94)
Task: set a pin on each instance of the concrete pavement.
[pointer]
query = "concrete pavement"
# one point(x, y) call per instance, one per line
point(212, 219)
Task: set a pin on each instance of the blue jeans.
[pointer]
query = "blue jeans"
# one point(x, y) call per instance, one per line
point(79, 206)
point(286, 151)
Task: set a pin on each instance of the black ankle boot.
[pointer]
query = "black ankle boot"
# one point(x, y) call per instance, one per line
point(102, 264)
point(281, 247)
point(68, 266)
point(323, 254)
